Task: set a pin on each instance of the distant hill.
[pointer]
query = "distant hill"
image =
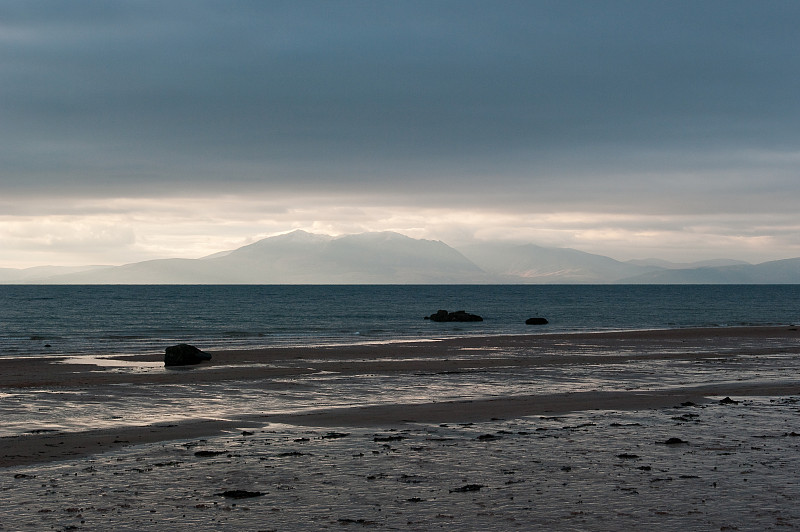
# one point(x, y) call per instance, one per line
point(304, 258)
point(366, 258)
point(785, 271)
point(13, 275)
point(536, 264)
point(713, 263)
point(391, 258)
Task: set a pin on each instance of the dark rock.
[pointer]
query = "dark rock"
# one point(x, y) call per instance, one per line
point(165, 464)
point(536, 321)
point(206, 454)
point(728, 401)
point(388, 438)
point(459, 315)
point(468, 487)
point(674, 441)
point(335, 435)
point(628, 456)
point(184, 355)
point(239, 494)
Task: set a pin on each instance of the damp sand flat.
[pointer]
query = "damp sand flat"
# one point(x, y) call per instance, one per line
point(715, 466)
point(470, 379)
point(567, 455)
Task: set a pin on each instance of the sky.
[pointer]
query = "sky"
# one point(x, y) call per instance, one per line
point(132, 130)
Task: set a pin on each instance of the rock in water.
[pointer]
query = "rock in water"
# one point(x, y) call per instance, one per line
point(184, 355)
point(536, 321)
point(459, 315)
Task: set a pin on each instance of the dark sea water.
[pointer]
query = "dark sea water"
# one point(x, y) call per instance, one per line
point(76, 320)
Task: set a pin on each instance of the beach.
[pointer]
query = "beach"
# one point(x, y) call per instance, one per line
point(672, 428)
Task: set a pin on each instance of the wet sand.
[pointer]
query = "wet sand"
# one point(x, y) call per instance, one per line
point(676, 430)
point(443, 355)
point(410, 358)
point(722, 465)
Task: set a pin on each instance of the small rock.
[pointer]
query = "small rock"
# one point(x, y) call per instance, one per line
point(674, 441)
point(334, 435)
point(466, 488)
point(536, 321)
point(459, 315)
point(388, 438)
point(206, 454)
point(239, 494)
point(728, 401)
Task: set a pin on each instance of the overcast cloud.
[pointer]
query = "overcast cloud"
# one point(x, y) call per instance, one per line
point(133, 130)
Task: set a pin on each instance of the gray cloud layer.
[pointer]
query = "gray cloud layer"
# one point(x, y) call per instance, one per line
point(117, 94)
point(615, 106)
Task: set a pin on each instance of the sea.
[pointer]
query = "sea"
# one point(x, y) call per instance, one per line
point(47, 320)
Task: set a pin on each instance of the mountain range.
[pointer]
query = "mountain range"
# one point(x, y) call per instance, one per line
point(392, 258)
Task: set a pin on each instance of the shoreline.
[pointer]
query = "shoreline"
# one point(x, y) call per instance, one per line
point(527, 352)
point(438, 355)
point(738, 330)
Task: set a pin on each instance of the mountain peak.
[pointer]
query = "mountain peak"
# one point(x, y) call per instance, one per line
point(379, 236)
point(387, 257)
point(301, 236)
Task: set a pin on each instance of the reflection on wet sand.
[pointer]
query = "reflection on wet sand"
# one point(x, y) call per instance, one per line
point(600, 431)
